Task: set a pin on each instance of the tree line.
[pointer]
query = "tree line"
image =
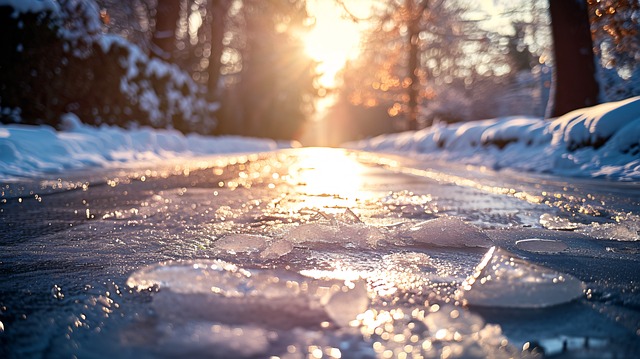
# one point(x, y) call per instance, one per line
point(429, 61)
point(239, 66)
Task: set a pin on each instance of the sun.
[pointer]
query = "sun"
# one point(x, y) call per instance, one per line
point(334, 38)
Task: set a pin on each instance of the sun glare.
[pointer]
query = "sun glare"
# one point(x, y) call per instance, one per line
point(334, 39)
point(331, 180)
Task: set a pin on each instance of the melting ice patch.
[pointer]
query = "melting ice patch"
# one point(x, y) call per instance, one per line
point(503, 280)
point(218, 291)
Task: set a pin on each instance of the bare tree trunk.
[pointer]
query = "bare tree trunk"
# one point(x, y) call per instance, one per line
point(413, 65)
point(575, 85)
point(218, 10)
point(413, 76)
point(164, 35)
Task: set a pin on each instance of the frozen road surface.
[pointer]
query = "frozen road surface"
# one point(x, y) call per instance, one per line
point(318, 253)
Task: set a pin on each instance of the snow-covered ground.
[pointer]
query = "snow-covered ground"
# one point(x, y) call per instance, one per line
point(599, 141)
point(29, 151)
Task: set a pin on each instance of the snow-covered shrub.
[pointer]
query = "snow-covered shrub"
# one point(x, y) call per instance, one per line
point(58, 61)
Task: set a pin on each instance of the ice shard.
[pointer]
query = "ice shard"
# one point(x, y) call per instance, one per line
point(218, 291)
point(504, 280)
point(447, 231)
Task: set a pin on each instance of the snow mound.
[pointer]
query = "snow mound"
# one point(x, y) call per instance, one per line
point(601, 141)
point(504, 280)
point(219, 291)
point(30, 151)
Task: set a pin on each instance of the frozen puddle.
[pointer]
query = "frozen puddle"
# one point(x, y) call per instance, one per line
point(504, 280)
point(218, 291)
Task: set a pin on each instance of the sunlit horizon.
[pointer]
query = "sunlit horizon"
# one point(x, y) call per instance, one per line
point(334, 38)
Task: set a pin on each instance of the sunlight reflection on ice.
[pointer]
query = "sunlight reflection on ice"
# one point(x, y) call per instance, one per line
point(330, 179)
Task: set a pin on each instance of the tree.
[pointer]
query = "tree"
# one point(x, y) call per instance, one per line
point(575, 83)
point(164, 34)
point(418, 55)
point(218, 10)
point(615, 28)
point(269, 80)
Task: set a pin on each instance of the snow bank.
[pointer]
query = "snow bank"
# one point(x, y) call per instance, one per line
point(28, 151)
point(600, 141)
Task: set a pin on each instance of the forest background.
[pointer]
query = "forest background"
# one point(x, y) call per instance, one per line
point(240, 67)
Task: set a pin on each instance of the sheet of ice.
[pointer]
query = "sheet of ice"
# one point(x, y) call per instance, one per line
point(538, 245)
point(504, 280)
point(447, 231)
point(599, 141)
point(218, 291)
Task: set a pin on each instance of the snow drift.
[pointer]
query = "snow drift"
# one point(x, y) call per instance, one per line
point(29, 151)
point(601, 141)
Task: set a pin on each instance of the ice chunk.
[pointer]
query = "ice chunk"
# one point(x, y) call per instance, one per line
point(410, 205)
point(625, 230)
point(344, 305)
point(242, 243)
point(215, 290)
point(541, 245)
point(449, 320)
point(277, 249)
point(503, 280)
point(350, 217)
point(550, 221)
point(206, 339)
point(348, 235)
point(447, 232)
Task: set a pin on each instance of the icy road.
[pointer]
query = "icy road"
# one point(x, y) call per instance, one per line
point(318, 253)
